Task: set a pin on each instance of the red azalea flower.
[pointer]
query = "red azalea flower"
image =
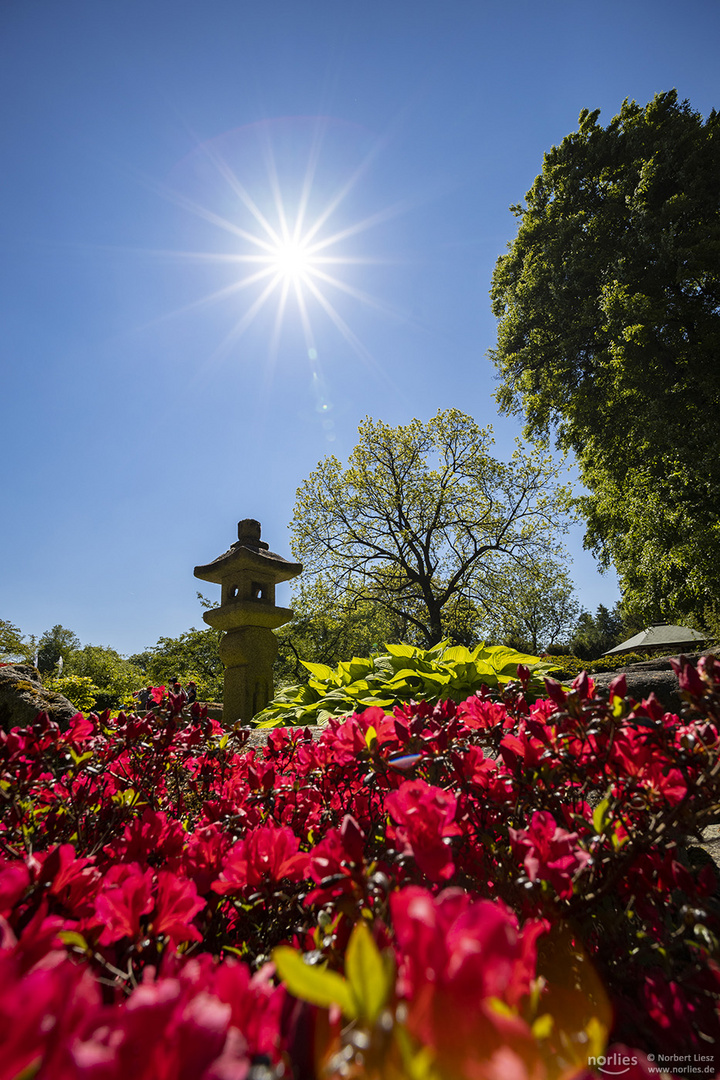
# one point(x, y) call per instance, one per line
point(151, 834)
point(425, 816)
point(483, 715)
point(456, 954)
point(37, 1010)
point(473, 767)
point(125, 897)
point(549, 852)
point(204, 854)
point(264, 856)
point(73, 880)
point(176, 905)
point(14, 880)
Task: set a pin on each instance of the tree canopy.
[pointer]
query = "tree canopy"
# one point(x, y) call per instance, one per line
point(424, 522)
point(54, 644)
point(193, 655)
point(538, 609)
point(609, 335)
point(13, 646)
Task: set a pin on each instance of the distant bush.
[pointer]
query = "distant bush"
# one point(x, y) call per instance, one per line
point(568, 667)
point(80, 690)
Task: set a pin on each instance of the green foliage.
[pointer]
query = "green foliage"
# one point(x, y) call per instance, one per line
point(403, 673)
point(362, 995)
point(78, 689)
point(54, 644)
point(114, 677)
point(12, 643)
point(329, 624)
point(595, 635)
point(424, 522)
point(609, 309)
point(569, 667)
point(538, 609)
point(190, 656)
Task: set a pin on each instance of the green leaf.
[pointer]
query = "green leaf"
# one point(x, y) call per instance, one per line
point(314, 984)
point(78, 759)
point(71, 937)
point(458, 654)
point(600, 816)
point(371, 978)
point(320, 671)
point(402, 650)
point(403, 673)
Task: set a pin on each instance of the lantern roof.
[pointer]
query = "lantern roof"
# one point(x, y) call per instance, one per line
point(247, 553)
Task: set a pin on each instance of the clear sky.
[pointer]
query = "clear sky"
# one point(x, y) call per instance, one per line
point(154, 389)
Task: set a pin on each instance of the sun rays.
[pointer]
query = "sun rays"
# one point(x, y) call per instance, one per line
point(289, 241)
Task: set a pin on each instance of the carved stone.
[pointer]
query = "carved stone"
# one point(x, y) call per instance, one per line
point(248, 573)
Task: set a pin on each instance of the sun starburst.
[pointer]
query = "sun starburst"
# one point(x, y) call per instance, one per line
point(290, 242)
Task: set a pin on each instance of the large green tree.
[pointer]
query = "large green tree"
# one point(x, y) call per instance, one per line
point(54, 644)
point(424, 522)
point(13, 646)
point(538, 608)
point(609, 334)
point(595, 634)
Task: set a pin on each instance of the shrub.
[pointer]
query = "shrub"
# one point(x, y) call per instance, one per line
point(569, 667)
point(80, 690)
point(448, 891)
point(402, 673)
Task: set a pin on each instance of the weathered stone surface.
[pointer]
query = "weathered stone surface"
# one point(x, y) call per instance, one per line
point(248, 574)
point(649, 677)
point(22, 697)
point(640, 684)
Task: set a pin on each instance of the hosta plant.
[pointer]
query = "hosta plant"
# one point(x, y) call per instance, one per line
point(402, 673)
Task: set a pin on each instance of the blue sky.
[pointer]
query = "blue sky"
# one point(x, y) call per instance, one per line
point(138, 424)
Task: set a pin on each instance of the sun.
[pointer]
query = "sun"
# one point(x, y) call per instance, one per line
point(292, 260)
point(287, 235)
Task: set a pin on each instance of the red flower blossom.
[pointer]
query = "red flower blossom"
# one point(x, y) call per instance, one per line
point(484, 715)
point(176, 905)
point(204, 854)
point(425, 818)
point(549, 852)
point(126, 896)
point(14, 880)
point(456, 955)
point(265, 855)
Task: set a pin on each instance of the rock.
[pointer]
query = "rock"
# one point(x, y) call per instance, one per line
point(22, 697)
point(654, 676)
point(640, 684)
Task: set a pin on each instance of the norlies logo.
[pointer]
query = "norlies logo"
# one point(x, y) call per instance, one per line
point(614, 1064)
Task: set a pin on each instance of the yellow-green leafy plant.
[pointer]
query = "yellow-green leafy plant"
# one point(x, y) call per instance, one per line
point(402, 673)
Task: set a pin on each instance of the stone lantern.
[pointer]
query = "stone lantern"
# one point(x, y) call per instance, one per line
point(248, 574)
